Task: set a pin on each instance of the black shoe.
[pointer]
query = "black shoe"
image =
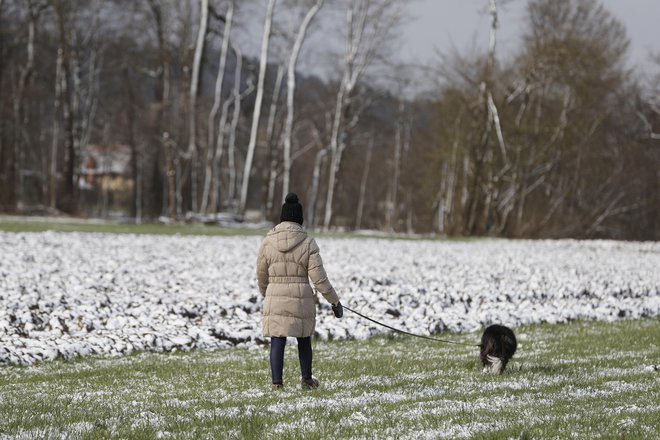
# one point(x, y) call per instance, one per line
point(310, 384)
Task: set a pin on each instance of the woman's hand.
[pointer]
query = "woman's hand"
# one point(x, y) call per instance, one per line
point(338, 310)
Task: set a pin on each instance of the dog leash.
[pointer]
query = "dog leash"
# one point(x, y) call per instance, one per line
point(408, 333)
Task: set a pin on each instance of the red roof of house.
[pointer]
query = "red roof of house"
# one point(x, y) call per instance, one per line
point(105, 159)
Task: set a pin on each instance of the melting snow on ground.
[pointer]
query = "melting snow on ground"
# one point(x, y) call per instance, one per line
point(73, 294)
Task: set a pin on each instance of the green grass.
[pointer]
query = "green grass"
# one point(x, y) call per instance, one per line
point(582, 380)
point(28, 225)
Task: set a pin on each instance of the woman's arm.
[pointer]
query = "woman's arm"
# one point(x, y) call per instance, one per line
point(318, 276)
point(262, 269)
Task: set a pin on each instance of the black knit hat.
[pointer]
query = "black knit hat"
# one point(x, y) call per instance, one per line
point(292, 211)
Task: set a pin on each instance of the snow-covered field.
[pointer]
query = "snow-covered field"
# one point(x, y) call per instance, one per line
point(73, 294)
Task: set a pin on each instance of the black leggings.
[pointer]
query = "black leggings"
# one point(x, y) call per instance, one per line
point(277, 345)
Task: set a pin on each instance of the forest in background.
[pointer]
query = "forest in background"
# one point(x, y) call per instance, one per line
point(562, 139)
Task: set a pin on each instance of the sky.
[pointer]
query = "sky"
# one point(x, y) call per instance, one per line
point(439, 25)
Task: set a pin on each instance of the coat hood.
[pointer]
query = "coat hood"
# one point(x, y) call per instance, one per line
point(286, 236)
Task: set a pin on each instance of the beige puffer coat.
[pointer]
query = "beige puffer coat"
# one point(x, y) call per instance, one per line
point(287, 259)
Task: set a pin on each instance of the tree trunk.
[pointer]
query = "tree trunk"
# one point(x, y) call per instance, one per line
point(56, 131)
point(407, 147)
point(3, 183)
point(163, 92)
point(238, 97)
point(211, 150)
point(336, 149)
point(363, 182)
point(357, 58)
point(271, 143)
point(316, 176)
point(216, 178)
point(257, 108)
point(90, 104)
point(69, 187)
point(192, 115)
point(169, 149)
point(396, 165)
point(136, 159)
point(291, 89)
point(17, 158)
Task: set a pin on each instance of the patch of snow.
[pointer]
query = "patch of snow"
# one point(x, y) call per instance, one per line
point(72, 294)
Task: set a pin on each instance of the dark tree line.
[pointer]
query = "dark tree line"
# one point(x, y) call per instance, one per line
point(559, 140)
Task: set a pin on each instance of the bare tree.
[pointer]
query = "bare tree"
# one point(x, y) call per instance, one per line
point(399, 134)
point(136, 153)
point(67, 106)
point(216, 178)
point(191, 153)
point(368, 24)
point(257, 107)
point(13, 170)
point(363, 181)
point(272, 142)
point(652, 102)
point(321, 156)
point(163, 87)
point(212, 149)
point(291, 89)
point(492, 122)
point(53, 184)
point(231, 148)
point(3, 57)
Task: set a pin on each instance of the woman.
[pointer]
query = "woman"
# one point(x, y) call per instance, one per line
point(287, 259)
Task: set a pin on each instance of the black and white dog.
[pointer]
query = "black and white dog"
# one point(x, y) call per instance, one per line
point(498, 344)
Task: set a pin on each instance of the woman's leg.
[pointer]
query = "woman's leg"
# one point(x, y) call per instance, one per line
point(305, 357)
point(277, 345)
